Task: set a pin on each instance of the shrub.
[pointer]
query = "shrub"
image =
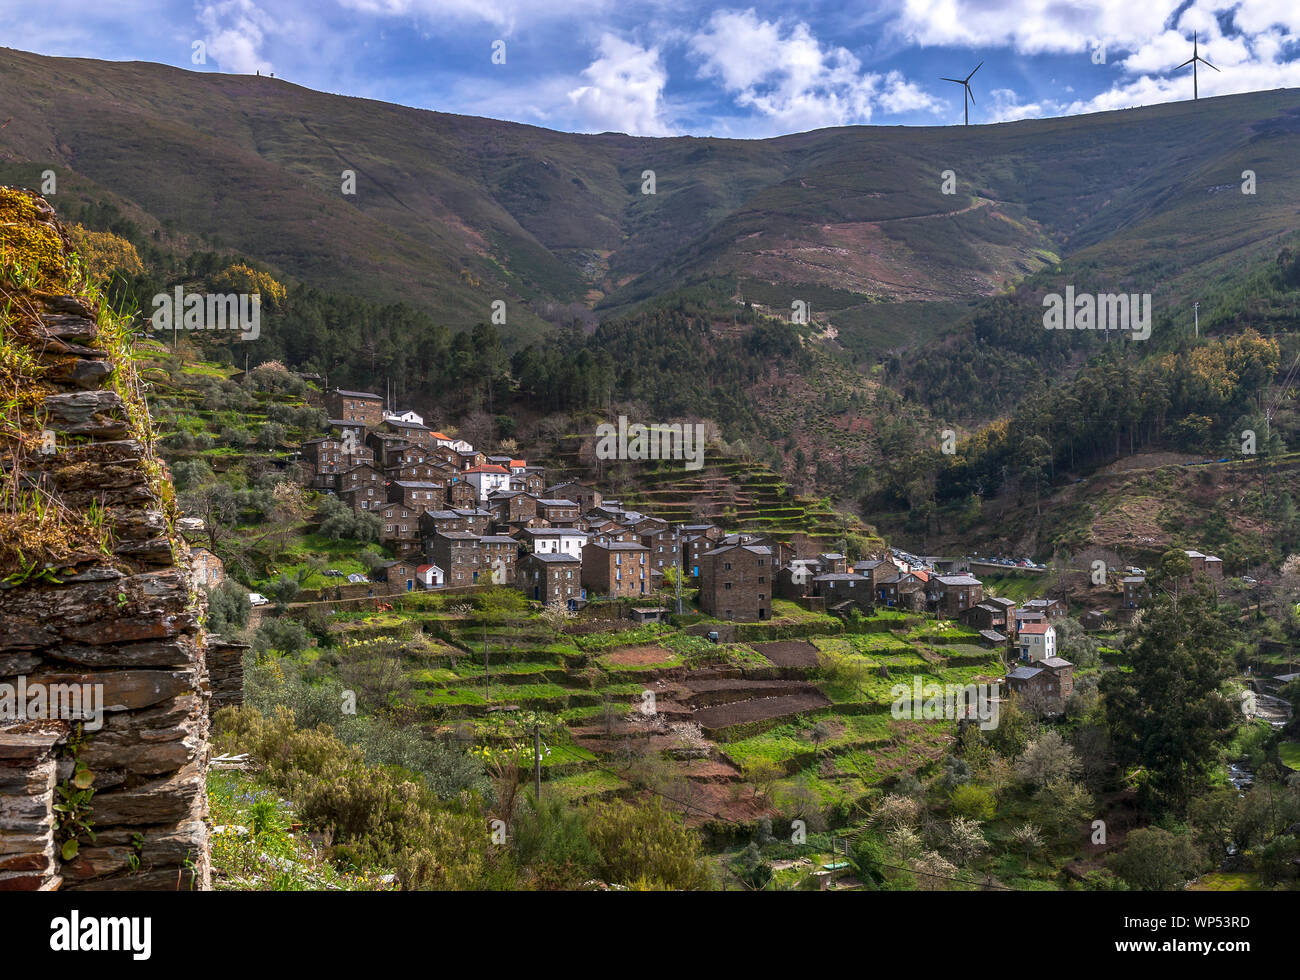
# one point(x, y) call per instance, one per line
point(1155, 860)
point(975, 802)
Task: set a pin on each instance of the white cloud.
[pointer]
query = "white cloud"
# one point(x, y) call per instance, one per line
point(236, 30)
point(789, 78)
point(504, 14)
point(1031, 26)
point(1007, 107)
point(624, 91)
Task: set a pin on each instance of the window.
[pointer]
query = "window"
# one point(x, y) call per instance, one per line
point(727, 586)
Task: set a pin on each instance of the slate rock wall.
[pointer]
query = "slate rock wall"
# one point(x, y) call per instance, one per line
point(123, 617)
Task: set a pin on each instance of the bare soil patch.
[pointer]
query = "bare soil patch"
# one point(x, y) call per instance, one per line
point(759, 709)
point(636, 656)
point(789, 653)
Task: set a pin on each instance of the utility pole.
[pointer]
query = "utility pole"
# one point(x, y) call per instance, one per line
point(1196, 318)
point(487, 674)
point(537, 761)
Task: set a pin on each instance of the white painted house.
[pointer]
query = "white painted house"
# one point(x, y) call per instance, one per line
point(407, 416)
point(487, 479)
point(460, 445)
point(1036, 642)
point(556, 540)
point(429, 576)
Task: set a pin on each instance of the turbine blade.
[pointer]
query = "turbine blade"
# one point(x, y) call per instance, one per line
point(1204, 62)
point(1185, 63)
point(972, 74)
point(971, 93)
point(957, 80)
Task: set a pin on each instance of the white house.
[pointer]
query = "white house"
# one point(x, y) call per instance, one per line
point(407, 416)
point(429, 576)
point(1036, 642)
point(487, 479)
point(556, 540)
point(460, 445)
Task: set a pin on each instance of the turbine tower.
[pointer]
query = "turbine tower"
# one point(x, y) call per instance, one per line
point(965, 90)
point(1196, 56)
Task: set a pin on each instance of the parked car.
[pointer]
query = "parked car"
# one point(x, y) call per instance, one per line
point(713, 636)
point(257, 599)
point(356, 578)
point(1248, 580)
point(334, 573)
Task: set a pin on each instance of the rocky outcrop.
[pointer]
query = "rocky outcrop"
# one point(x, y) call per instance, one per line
point(96, 600)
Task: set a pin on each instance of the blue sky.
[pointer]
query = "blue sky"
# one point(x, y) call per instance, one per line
point(665, 67)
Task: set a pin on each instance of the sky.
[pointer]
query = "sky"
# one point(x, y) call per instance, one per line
point(680, 67)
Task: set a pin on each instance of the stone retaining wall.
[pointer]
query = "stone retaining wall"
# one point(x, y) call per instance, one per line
point(123, 618)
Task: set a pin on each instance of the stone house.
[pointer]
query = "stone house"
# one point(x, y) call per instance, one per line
point(877, 570)
point(833, 563)
point(662, 540)
point(209, 570)
point(548, 578)
point(618, 570)
point(400, 575)
point(586, 497)
point(355, 406)
point(415, 495)
point(457, 554)
point(838, 587)
point(512, 506)
point(1045, 685)
point(419, 473)
point(498, 558)
point(951, 595)
point(359, 477)
point(985, 616)
point(461, 495)
point(366, 498)
point(557, 510)
point(736, 582)
point(795, 579)
point(1050, 608)
point(399, 527)
point(897, 592)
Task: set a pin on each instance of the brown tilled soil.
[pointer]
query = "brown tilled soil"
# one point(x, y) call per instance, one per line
point(789, 653)
point(710, 771)
point(734, 802)
point(759, 709)
point(636, 656)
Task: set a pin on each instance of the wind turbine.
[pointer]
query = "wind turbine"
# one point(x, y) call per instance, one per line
point(1192, 61)
point(965, 86)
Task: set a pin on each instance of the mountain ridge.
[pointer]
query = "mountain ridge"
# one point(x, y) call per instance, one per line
point(454, 211)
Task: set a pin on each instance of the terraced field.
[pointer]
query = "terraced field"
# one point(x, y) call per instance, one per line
point(729, 731)
point(739, 494)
